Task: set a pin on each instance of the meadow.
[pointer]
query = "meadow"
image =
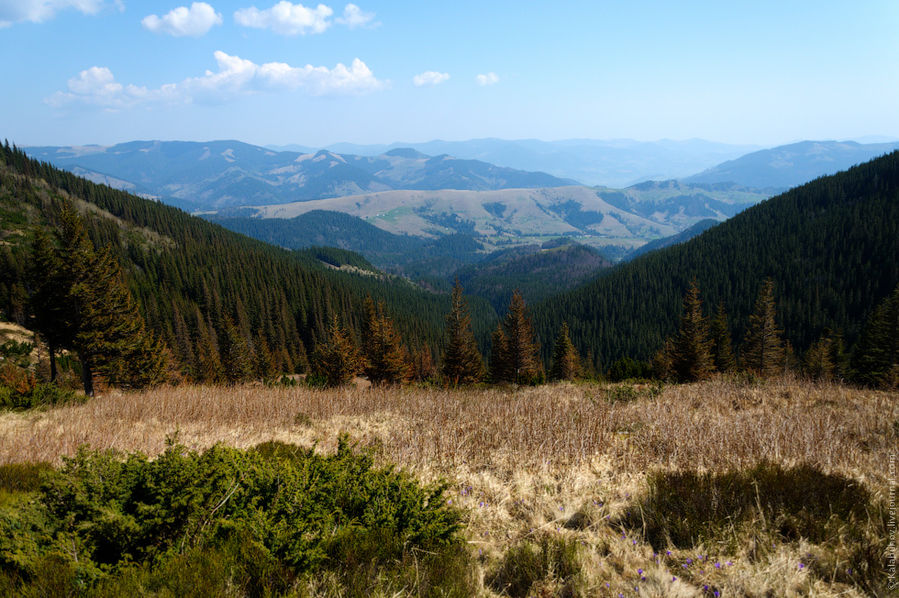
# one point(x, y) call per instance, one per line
point(730, 487)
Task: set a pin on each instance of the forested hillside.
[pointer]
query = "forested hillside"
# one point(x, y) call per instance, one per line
point(209, 293)
point(830, 246)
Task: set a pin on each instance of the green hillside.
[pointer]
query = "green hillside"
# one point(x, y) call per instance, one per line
point(537, 271)
point(193, 280)
point(831, 247)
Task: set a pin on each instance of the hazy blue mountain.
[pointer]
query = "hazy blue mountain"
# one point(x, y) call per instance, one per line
point(614, 163)
point(214, 174)
point(786, 166)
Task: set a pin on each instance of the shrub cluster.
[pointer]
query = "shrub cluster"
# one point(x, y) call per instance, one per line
point(261, 521)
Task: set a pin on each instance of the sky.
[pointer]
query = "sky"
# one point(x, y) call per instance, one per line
point(106, 71)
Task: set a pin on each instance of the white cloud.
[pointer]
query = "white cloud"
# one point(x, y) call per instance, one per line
point(354, 17)
point(38, 11)
point(96, 86)
point(429, 78)
point(182, 21)
point(286, 18)
point(487, 79)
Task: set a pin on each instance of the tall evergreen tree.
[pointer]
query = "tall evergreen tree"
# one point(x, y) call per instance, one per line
point(722, 347)
point(763, 349)
point(110, 336)
point(876, 359)
point(522, 354)
point(818, 360)
point(237, 358)
point(462, 363)
point(500, 367)
point(48, 300)
point(386, 359)
point(691, 358)
point(338, 358)
point(566, 362)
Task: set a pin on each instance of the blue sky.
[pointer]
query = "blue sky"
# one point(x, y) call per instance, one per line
point(106, 71)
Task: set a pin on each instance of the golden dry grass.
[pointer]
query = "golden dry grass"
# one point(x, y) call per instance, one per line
point(522, 461)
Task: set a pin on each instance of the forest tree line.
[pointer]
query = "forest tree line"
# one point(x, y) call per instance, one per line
point(201, 304)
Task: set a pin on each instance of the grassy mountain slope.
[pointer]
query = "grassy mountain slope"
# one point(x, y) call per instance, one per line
point(829, 245)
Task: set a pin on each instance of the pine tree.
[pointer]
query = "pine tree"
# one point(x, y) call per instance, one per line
point(763, 351)
point(110, 336)
point(338, 358)
point(722, 347)
point(691, 359)
point(500, 369)
point(237, 359)
point(566, 362)
point(423, 364)
point(386, 359)
point(462, 363)
point(818, 362)
point(662, 364)
point(48, 300)
point(876, 359)
point(523, 352)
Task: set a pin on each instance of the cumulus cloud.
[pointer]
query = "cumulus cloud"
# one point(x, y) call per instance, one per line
point(183, 21)
point(487, 79)
point(38, 11)
point(354, 17)
point(286, 18)
point(97, 86)
point(429, 78)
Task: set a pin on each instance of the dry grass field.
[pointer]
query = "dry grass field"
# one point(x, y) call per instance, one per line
point(558, 465)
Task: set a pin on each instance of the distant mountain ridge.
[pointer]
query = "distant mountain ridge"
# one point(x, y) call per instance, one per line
point(786, 166)
point(215, 174)
point(609, 162)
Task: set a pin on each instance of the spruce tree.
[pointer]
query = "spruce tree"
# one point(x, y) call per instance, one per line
point(386, 359)
point(237, 358)
point(338, 359)
point(523, 352)
point(722, 347)
point(818, 361)
point(876, 359)
point(500, 368)
point(48, 299)
point(462, 363)
point(763, 350)
point(566, 362)
point(110, 336)
point(691, 359)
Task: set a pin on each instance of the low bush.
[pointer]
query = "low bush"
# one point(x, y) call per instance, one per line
point(37, 394)
point(261, 521)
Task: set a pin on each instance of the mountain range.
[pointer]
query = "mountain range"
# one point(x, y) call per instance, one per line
point(786, 166)
point(612, 163)
point(215, 174)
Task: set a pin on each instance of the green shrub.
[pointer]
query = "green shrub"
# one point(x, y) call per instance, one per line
point(38, 395)
point(258, 521)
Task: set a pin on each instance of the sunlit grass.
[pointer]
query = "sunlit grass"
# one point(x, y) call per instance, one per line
point(565, 463)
